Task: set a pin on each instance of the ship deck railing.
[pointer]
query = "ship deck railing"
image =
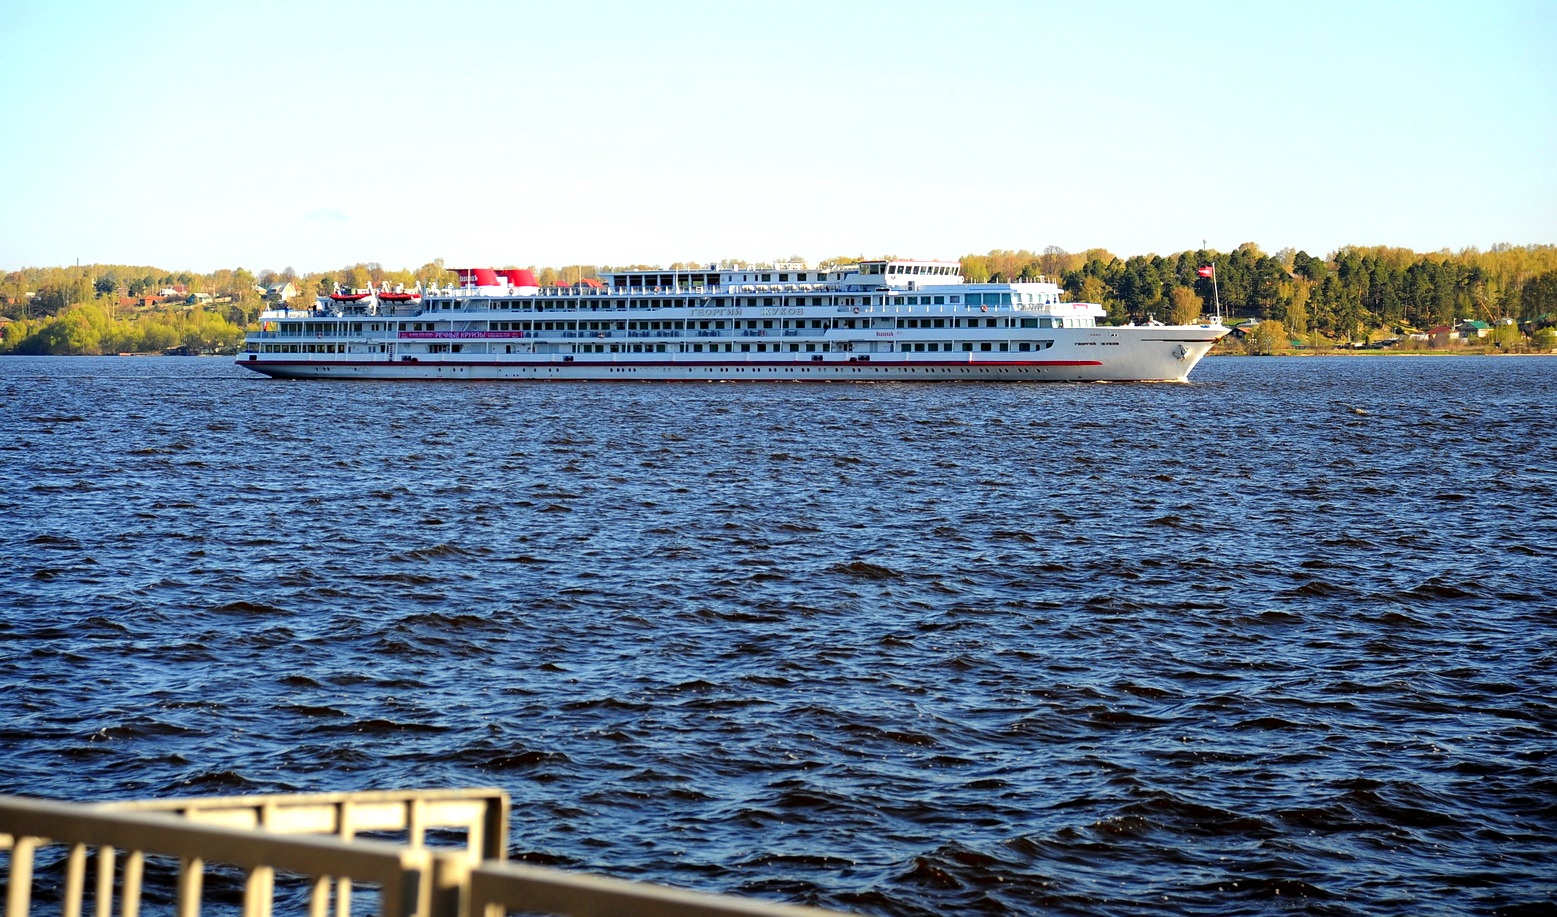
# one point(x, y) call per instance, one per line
point(683, 290)
point(663, 333)
point(421, 853)
point(876, 309)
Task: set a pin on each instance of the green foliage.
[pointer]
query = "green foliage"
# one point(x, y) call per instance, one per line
point(88, 329)
point(1269, 337)
point(1538, 297)
point(1355, 290)
point(1308, 267)
point(1507, 337)
point(1186, 306)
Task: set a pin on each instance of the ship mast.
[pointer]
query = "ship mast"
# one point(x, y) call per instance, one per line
point(1216, 294)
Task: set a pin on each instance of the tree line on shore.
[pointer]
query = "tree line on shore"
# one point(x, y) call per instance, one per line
point(1353, 293)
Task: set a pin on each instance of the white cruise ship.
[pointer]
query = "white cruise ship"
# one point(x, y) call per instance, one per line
point(876, 320)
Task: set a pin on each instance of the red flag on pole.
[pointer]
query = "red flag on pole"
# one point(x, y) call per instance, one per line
point(1206, 271)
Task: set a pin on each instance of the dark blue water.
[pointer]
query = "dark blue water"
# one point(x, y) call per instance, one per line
point(1279, 640)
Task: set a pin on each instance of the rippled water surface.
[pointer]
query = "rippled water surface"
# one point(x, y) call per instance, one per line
point(1278, 640)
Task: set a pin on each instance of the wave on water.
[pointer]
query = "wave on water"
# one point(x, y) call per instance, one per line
point(1279, 640)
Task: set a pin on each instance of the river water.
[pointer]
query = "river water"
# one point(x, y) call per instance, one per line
point(1278, 640)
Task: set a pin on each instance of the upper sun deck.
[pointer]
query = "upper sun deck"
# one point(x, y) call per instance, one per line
point(908, 275)
point(889, 284)
point(796, 276)
point(883, 275)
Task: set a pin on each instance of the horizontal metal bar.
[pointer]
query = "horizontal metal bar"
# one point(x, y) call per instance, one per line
point(482, 812)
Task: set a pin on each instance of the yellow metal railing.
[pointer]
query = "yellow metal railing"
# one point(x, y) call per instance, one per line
point(429, 853)
point(400, 873)
point(482, 814)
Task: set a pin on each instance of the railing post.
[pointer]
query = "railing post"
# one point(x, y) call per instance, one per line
point(18, 898)
point(134, 870)
point(105, 881)
point(409, 894)
point(346, 831)
point(75, 880)
point(416, 829)
point(191, 877)
point(319, 897)
point(259, 892)
point(450, 892)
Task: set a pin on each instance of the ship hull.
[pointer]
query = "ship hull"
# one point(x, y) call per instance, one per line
point(1162, 366)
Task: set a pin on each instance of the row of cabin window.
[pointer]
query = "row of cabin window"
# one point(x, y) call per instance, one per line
point(690, 278)
point(310, 328)
point(310, 348)
point(931, 347)
point(798, 276)
point(919, 270)
point(764, 324)
point(721, 302)
point(718, 302)
point(907, 347)
point(1006, 299)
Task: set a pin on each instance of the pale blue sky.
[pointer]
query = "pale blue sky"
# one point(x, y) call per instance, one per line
point(187, 134)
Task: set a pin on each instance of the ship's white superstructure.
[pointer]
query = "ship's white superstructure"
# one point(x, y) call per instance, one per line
point(876, 320)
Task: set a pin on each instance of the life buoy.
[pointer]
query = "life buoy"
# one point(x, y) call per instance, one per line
point(983, 308)
point(856, 310)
